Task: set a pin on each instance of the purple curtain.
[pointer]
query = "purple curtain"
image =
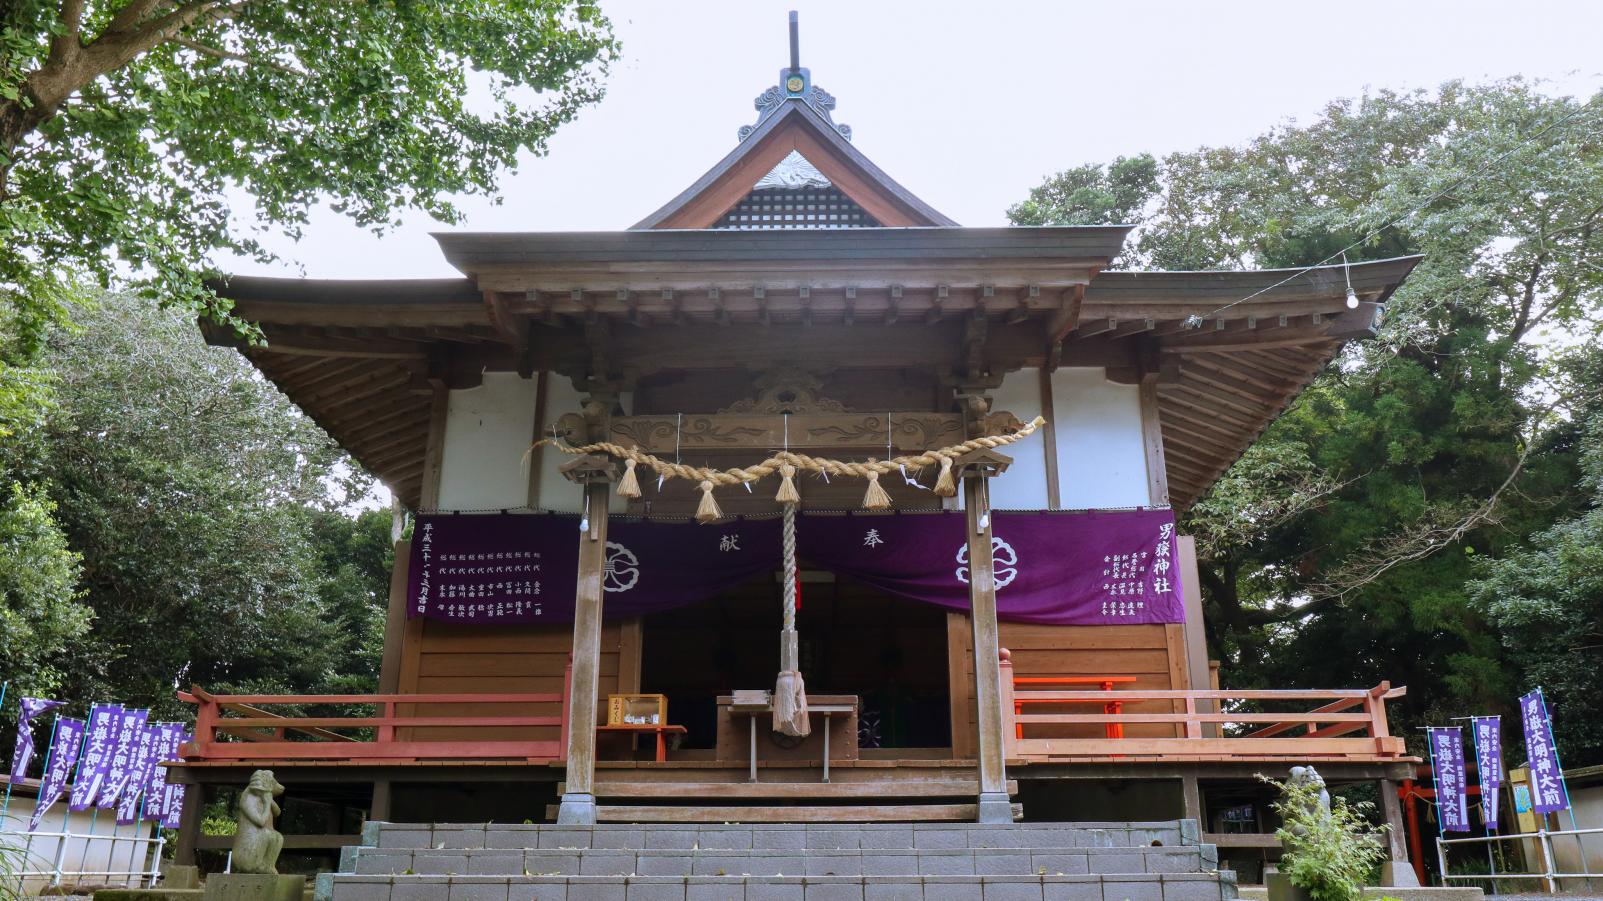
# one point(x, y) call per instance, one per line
point(1096, 568)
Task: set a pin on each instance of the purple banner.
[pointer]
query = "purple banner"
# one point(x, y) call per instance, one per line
point(1548, 792)
point(23, 753)
point(100, 740)
point(1452, 787)
point(167, 740)
point(130, 726)
point(59, 764)
point(1081, 569)
point(1488, 732)
point(144, 760)
point(172, 798)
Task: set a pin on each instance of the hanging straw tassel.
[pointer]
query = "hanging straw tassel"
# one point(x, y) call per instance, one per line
point(629, 486)
point(787, 485)
point(876, 498)
point(944, 485)
point(707, 510)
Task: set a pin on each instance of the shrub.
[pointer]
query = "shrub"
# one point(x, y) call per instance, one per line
point(1329, 852)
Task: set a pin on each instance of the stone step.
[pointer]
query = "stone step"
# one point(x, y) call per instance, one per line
point(922, 788)
point(793, 862)
point(798, 813)
point(1219, 886)
point(782, 836)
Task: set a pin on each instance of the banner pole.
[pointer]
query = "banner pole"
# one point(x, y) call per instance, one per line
point(94, 814)
point(1436, 799)
point(50, 751)
point(5, 808)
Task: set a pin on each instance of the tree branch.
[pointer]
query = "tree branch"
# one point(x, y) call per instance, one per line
point(220, 53)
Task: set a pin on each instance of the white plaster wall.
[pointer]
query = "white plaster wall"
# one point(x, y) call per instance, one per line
point(556, 492)
point(1023, 486)
point(1101, 456)
point(487, 431)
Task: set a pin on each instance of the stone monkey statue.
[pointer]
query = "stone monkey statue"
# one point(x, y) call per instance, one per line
point(256, 843)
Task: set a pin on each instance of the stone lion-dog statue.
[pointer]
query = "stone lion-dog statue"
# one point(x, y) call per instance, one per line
point(256, 842)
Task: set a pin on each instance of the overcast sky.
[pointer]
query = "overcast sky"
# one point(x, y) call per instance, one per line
point(969, 104)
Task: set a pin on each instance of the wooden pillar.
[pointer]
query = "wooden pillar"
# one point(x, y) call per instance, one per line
point(1397, 871)
point(1191, 802)
point(189, 825)
point(578, 801)
point(389, 673)
point(991, 738)
point(379, 812)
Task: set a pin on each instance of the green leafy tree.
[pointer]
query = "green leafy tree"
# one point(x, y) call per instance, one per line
point(1338, 549)
point(1546, 600)
point(1116, 194)
point(205, 510)
point(125, 123)
point(41, 616)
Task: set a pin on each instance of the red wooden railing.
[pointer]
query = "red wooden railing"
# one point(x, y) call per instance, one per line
point(244, 728)
point(1327, 730)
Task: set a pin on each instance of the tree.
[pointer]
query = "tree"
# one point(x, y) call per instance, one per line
point(1546, 599)
point(1116, 194)
point(1338, 549)
point(124, 123)
point(206, 510)
point(40, 614)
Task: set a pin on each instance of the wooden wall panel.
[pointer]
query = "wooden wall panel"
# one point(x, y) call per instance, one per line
point(496, 659)
point(1153, 654)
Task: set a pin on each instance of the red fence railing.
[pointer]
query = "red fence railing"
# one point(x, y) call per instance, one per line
point(246, 728)
point(1349, 723)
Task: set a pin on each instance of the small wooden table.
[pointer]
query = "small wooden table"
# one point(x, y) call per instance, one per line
point(753, 711)
point(661, 729)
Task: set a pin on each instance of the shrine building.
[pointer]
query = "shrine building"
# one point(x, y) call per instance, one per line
point(608, 611)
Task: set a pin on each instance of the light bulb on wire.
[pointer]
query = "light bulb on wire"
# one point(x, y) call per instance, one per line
point(1352, 299)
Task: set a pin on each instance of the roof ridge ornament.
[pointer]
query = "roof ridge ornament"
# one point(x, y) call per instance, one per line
point(795, 83)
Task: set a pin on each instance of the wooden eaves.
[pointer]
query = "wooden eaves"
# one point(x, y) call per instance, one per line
point(361, 358)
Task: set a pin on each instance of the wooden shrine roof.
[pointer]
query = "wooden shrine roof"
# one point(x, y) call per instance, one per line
point(794, 127)
point(361, 357)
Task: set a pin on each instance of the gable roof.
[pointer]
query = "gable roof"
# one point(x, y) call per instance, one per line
point(794, 125)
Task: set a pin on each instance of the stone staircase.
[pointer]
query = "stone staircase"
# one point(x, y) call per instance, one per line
point(1163, 861)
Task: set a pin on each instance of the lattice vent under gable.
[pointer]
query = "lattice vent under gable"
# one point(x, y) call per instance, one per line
point(795, 195)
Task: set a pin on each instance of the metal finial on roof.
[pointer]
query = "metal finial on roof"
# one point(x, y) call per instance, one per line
point(795, 83)
point(795, 43)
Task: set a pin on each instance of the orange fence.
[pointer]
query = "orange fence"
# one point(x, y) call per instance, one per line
point(1343, 723)
point(244, 727)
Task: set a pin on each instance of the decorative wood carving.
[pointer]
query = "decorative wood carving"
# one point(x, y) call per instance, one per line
point(787, 389)
point(907, 432)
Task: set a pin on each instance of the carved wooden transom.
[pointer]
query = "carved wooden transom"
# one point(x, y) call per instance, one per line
point(787, 389)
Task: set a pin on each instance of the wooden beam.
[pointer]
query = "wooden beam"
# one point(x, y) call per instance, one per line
point(434, 453)
point(1067, 318)
point(542, 394)
point(1049, 440)
point(509, 328)
point(1152, 441)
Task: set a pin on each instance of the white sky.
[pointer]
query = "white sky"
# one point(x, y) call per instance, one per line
point(971, 104)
